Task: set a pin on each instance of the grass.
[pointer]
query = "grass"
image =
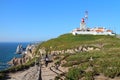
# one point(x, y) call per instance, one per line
point(68, 41)
point(106, 61)
point(107, 64)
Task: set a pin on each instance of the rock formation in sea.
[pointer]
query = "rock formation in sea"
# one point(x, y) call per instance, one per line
point(26, 56)
point(19, 49)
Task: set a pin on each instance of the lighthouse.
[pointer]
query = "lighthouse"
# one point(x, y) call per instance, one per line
point(82, 24)
point(83, 29)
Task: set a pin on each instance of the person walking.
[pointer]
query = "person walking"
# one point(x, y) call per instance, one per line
point(46, 60)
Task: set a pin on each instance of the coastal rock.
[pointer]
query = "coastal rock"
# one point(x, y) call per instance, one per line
point(84, 49)
point(70, 51)
point(19, 61)
point(90, 48)
point(42, 51)
point(12, 61)
point(29, 54)
point(97, 49)
point(19, 49)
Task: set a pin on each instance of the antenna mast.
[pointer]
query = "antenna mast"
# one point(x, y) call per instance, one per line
point(86, 15)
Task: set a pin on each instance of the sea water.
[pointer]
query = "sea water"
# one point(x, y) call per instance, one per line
point(7, 52)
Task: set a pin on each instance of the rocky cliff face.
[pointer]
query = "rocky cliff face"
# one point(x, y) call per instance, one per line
point(19, 61)
point(28, 55)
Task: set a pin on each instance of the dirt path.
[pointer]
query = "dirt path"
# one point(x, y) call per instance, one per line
point(50, 72)
point(47, 73)
point(31, 74)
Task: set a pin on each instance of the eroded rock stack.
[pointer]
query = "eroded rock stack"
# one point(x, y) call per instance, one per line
point(28, 55)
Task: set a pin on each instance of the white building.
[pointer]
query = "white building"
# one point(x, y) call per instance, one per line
point(93, 31)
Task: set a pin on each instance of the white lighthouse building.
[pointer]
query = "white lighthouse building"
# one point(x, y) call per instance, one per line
point(83, 29)
point(83, 24)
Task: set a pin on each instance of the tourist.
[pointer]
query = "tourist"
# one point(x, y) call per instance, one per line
point(46, 60)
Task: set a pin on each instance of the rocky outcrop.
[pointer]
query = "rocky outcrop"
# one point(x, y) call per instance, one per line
point(70, 51)
point(28, 55)
point(19, 49)
point(19, 61)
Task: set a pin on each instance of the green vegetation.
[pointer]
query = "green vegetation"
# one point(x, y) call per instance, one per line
point(106, 61)
point(68, 41)
point(107, 64)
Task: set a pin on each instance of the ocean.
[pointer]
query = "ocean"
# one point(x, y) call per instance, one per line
point(7, 52)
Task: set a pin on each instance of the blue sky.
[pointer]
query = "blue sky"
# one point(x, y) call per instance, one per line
point(38, 20)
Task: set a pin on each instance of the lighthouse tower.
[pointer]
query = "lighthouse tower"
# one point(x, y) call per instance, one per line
point(83, 24)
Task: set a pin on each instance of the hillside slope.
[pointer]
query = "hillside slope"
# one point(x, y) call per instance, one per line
point(102, 64)
point(68, 41)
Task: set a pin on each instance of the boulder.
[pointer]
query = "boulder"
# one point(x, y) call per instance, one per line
point(90, 48)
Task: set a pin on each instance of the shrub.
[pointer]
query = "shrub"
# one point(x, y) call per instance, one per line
point(89, 75)
point(74, 74)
